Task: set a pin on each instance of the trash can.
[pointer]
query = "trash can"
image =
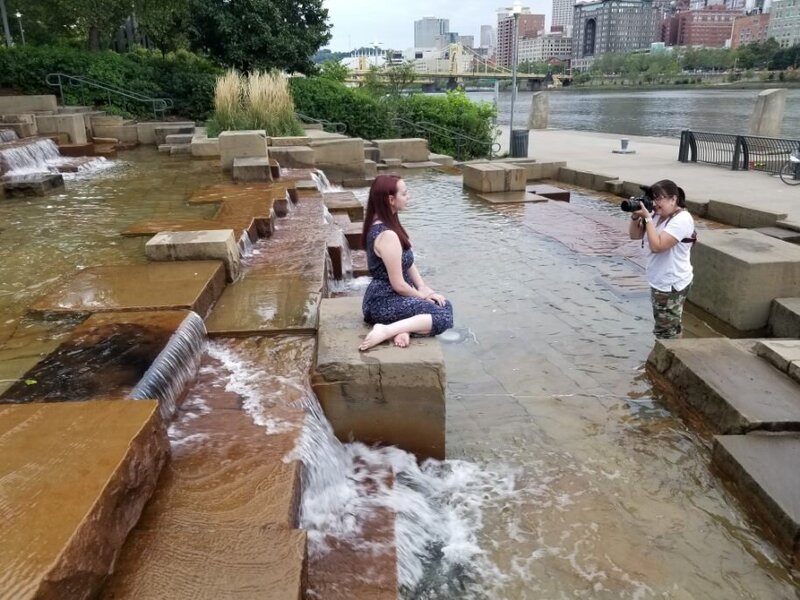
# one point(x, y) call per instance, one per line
point(519, 143)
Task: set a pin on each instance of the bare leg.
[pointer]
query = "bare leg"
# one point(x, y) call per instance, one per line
point(402, 340)
point(381, 333)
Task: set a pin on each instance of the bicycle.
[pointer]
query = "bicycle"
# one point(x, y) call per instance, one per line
point(790, 171)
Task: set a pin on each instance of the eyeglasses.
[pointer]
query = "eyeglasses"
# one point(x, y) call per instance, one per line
point(662, 198)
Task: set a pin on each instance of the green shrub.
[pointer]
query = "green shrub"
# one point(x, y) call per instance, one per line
point(184, 77)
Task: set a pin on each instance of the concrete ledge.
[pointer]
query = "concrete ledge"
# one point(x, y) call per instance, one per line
point(241, 144)
point(12, 105)
point(196, 245)
point(784, 318)
point(730, 389)
point(761, 469)
point(484, 177)
point(74, 479)
point(737, 274)
point(251, 169)
point(344, 203)
point(344, 155)
point(146, 132)
point(293, 157)
point(388, 395)
point(73, 125)
point(406, 149)
point(35, 184)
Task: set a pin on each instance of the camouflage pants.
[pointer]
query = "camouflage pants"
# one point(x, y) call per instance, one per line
point(667, 311)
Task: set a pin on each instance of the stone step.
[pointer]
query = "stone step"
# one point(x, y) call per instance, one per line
point(106, 356)
point(784, 318)
point(74, 479)
point(34, 184)
point(359, 258)
point(218, 244)
point(783, 354)
point(222, 522)
point(293, 157)
point(549, 191)
point(192, 285)
point(353, 232)
point(180, 149)
point(732, 390)
point(392, 396)
point(339, 252)
point(761, 469)
point(344, 202)
point(780, 233)
point(252, 169)
point(179, 138)
point(441, 159)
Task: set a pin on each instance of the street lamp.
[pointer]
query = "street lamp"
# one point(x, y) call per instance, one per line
point(21, 30)
point(4, 18)
point(516, 9)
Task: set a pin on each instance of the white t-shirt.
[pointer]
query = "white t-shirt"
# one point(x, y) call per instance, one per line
point(671, 269)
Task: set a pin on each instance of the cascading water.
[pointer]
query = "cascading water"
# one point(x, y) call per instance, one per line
point(174, 367)
point(438, 505)
point(323, 185)
point(33, 156)
point(8, 135)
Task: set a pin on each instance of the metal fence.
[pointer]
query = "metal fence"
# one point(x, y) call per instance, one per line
point(737, 152)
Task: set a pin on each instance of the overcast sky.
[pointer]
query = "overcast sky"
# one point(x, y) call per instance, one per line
point(358, 23)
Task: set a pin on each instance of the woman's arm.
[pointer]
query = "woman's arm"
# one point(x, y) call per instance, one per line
point(417, 280)
point(387, 247)
point(659, 242)
point(635, 229)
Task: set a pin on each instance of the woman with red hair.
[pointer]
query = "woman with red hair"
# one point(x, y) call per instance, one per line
point(397, 302)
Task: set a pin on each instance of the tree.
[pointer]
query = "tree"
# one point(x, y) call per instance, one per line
point(259, 34)
point(333, 70)
point(400, 76)
point(373, 84)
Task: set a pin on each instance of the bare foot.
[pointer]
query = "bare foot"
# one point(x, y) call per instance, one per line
point(401, 340)
point(380, 333)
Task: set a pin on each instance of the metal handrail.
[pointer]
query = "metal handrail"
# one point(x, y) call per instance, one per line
point(336, 126)
point(738, 152)
point(428, 127)
point(160, 105)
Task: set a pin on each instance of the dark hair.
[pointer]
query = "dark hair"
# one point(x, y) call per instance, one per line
point(378, 209)
point(667, 187)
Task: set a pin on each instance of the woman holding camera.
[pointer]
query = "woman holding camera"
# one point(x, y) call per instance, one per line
point(668, 234)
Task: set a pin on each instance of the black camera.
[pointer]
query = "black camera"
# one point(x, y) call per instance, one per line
point(633, 204)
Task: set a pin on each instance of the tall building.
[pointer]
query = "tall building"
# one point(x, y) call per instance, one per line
point(605, 26)
point(784, 22)
point(545, 48)
point(746, 30)
point(468, 41)
point(710, 27)
point(528, 26)
point(426, 30)
point(562, 15)
point(487, 36)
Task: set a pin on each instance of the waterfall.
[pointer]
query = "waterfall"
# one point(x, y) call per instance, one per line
point(28, 157)
point(8, 135)
point(174, 367)
point(323, 185)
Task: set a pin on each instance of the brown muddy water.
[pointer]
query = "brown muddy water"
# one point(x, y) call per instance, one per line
point(596, 490)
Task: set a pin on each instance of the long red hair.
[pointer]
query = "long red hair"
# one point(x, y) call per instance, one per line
point(379, 209)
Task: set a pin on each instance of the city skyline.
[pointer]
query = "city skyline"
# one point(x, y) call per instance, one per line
point(357, 23)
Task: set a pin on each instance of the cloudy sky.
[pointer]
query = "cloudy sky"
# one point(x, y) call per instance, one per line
point(391, 22)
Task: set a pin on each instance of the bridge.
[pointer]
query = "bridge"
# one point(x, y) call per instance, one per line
point(457, 64)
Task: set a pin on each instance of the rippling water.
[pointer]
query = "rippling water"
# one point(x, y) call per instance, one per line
point(648, 112)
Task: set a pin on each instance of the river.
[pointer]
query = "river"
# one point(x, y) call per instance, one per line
point(647, 112)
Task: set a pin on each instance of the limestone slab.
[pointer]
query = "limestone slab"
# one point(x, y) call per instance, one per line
point(345, 155)
point(549, 191)
point(241, 144)
point(787, 235)
point(267, 305)
point(104, 357)
point(389, 395)
point(780, 353)
point(251, 169)
point(220, 244)
point(738, 272)
point(73, 125)
point(12, 105)
point(354, 234)
point(161, 132)
point(291, 140)
point(425, 164)
point(243, 225)
point(74, 479)
point(34, 184)
point(511, 197)
point(146, 131)
point(293, 157)
point(484, 177)
point(441, 159)
point(762, 469)
point(205, 147)
point(733, 390)
point(193, 285)
point(179, 138)
point(784, 318)
point(344, 202)
point(406, 149)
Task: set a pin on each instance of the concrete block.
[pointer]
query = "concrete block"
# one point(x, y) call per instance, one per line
point(345, 155)
point(251, 169)
point(72, 125)
point(515, 178)
point(295, 140)
point(146, 132)
point(34, 184)
point(392, 162)
point(23, 129)
point(540, 111)
point(241, 144)
point(161, 132)
point(205, 147)
point(179, 138)
point(784, 318)
point(407, 149)
point(372, 153)
point(218, 244)
point(180, 149)
point(126, 134)
point(12, 105)
point(567, 175)
point(613, 187)
point(387, 396)
point(738, 273)
point(767, 117)
point(485, 177)
point(293, 157)
point(591, 181)
point(441, 159)
point(165, 148)
point(370, 168)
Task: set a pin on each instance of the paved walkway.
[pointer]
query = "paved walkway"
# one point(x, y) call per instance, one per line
point(657, 158)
